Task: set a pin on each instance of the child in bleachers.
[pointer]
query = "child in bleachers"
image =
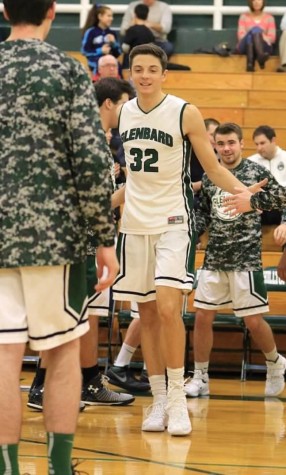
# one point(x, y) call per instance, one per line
point(98, 38)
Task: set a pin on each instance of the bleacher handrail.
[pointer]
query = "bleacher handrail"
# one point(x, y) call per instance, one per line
point(217, 10)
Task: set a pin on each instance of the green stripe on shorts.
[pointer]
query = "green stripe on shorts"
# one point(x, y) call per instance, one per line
point(77, 286)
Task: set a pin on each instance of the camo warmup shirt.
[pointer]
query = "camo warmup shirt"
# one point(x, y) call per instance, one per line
point(234, 241)
point(54, 170)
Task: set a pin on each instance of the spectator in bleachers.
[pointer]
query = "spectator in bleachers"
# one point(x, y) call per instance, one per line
point(98, 38)
point(107, 67)
point(159, 21)
point(256, 34)
point(139, 33)
point(282, 46)
point(272, 157)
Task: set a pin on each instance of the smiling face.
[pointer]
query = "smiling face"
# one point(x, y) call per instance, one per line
point(229, 148)
point(147, 74)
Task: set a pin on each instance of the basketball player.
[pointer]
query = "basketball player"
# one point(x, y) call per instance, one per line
point(54, 176)
point(110, 92)
point(232, 275)
point(157, 229)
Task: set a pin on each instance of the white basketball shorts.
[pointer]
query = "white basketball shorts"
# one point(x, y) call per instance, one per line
point(46, 306)
point(147, 261)
point(243, 291)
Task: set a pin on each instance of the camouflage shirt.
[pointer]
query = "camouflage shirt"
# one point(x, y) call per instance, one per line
point(273, 199)
point(54, 170)
point(91, 238)
point(234, 242)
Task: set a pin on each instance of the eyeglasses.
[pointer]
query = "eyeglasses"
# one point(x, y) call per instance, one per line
point(109, 65)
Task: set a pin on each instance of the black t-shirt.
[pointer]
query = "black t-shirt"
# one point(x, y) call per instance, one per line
point(138, 35)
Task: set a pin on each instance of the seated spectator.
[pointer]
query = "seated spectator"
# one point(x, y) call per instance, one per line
point(107, 67)
point(282, 46)
point(138, 33)
point(272, 157)
point(98, 38)
point(159, 21)
point(256, 34)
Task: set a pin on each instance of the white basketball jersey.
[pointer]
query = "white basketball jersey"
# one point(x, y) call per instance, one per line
point(158, 195)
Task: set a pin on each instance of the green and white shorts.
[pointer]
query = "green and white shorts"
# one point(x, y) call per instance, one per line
point(98, 302)
point(244, 292)
point(46, 306)
point(148, 261)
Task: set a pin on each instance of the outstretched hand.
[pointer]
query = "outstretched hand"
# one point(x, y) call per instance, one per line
point(258, 186)
point(240, 201)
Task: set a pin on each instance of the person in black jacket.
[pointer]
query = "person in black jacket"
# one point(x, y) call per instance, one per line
point(138, 33)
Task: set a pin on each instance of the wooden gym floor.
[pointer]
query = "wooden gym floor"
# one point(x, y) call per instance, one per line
point(236, 431)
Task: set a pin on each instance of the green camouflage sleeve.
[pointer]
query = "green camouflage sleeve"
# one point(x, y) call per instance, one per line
point(273, 196)
point(203, 213)
point(90, 160)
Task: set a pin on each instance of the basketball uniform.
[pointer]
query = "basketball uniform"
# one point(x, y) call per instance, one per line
point(157, 232)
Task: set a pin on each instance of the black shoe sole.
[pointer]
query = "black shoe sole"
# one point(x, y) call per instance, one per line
point(39, 408)
point(119, 403)
point(129, 387)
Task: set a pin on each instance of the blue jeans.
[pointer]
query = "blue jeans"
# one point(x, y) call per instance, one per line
point(248, 38)
point(166, 46)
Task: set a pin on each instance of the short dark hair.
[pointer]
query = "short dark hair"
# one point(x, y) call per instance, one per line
point(264, 130)
point(149, 49)
point(141, 11)
point(27, 12)
point(229, 128)
point(210, 121)
point(112, 88)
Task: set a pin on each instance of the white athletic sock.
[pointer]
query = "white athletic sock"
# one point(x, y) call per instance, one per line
point(176, 384)
point(125, 355)
point(204, 367)
point(272, 356)
point(158, 387)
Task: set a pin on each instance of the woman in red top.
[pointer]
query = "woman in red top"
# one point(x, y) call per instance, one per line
point(256, 34)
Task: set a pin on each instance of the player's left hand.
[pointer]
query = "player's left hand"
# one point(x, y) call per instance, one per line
point(280, 234)
point(106, 257)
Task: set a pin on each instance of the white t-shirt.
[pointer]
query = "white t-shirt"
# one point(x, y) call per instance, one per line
point(277, 165)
